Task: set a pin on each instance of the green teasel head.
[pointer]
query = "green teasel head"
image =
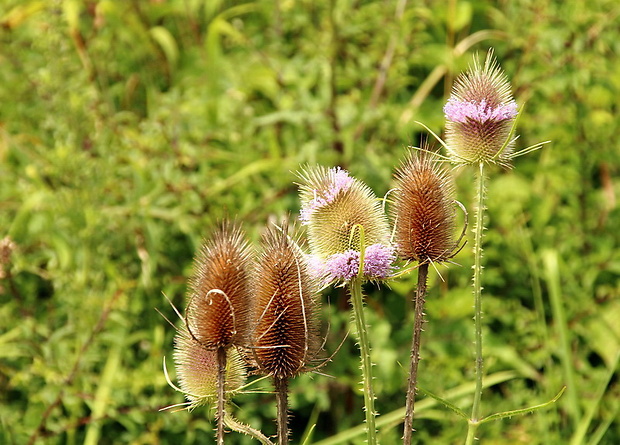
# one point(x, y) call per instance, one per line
point(197, 368)
point(480, 116)
point(346, 223)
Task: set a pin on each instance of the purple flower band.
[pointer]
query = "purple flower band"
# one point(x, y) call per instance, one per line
point(344, 266)
point(460, 111)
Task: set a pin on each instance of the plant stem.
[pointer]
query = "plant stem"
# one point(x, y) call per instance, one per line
point(478, 233)
point(235, 425)
point(355, 287)
point(221, 386)
point(281, 387)
point(415, 352)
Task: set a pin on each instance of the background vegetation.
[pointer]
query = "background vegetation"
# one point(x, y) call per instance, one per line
point(127, 128)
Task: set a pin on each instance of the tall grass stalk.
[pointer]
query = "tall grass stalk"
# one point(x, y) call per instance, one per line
point(552, 276)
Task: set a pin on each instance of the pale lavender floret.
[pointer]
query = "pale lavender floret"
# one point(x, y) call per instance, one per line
point(343, 266)
point(316, 266)
point(339, 181)
point(378, 260)
point(459, 111)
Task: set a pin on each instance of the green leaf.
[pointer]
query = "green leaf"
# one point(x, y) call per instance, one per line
point(521, 411)
point(445, 403)
point(167, 43)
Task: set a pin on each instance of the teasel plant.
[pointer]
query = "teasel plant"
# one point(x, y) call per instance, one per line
point(423, 214)
point(286, 333)
point(481, 117)
point(349, 238)
point(216, 328)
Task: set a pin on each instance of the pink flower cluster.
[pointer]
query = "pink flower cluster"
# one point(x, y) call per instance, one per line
point(378, 264)
point(460, 111)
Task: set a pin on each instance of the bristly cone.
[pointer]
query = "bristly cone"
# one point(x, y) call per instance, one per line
point(286, 331)
point(479, 116)
point(423, 212)
point(347, 202)
point(219, 306)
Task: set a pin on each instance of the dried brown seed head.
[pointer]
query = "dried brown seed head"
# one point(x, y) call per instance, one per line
point(285, 337)
point(424, 210)
point(219, 307)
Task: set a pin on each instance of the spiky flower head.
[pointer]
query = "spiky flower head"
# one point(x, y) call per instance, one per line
point(219, 306)
point(286, 330)
point(480, 114)
point(423, 211)
point(196, 367)
point(344, 219)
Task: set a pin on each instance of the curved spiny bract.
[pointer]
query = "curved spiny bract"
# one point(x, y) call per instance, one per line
point(424, 211)
point(286, 331)
point(219, 307)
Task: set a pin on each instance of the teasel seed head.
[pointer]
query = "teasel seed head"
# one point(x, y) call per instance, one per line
point(286, 335)
point(423, 210)
point(480, 114)
point(343, 217)
point(196, 367)
point(219, 306)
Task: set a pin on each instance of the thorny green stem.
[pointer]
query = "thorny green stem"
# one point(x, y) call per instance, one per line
point(355, 288)
point(221, 387)
point(281, 387)
point(478, 233)
point(415, 352)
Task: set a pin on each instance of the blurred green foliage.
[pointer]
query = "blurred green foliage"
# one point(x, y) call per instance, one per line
point(127, 128)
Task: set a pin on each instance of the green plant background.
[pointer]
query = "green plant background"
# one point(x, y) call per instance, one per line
point(128, 128)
